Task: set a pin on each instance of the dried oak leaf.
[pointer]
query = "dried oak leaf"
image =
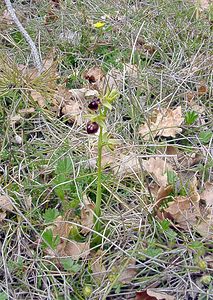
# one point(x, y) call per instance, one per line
point(97, 266)
point(87, 215)
point(67, 247)
point(5, 203)
point(112, 80)
point(202, 89)
point(61, 227)
point(76, 250)
point(94, 76)
point(153, 295)
point(207, 194)
point(157, 168)
point(37, 96)
point(191, 98)
point(164, 122)
point(49, 72)
point(73, 112)
point(126, 165)
point(69, 100)
point(128, 273)
point(205, 226)
point(142, 45)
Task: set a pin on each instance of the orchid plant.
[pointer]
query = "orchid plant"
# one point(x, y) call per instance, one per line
point(99, 107)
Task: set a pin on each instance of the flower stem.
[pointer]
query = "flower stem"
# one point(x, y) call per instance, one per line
point(99, 194)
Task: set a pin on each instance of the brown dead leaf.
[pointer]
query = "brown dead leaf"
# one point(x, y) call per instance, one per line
point(5, 203)
point(164, 192)
point(38, 98)
point(87, 215)
point(132, 71)
point(61, 227)
point(94, 75)
point(202, 89)
point(97, 267)
point(207, 194)
point(193, 192)
point(27, 72)
point(26, 111)
point(126, 165)
point(91, 94)
point(183, 211)
point(70, 102)
point(50, 17)
point(205, 226)
point(157, 168)
point(151, 294)
point(76, 250)
point(165, 122)
point(112, 80)
point(73, 112)
point(209, 260)
point(142, 45)
point(128, 273)
point(191, 98)
point(67, 247)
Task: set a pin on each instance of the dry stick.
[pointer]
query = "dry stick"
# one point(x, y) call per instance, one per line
point(35, 53)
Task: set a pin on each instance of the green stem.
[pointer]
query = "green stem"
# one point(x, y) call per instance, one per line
point(99, 194)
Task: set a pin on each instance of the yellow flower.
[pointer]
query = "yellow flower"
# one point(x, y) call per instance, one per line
point(99, 24)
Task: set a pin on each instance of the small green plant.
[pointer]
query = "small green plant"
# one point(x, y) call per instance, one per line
point(62, 180)
point(50, 215)
point(3, 296)
point(190, 117)
point(99, 109)
point(171, 177)
point(205, 136)
point(49, 240)
point(69, 265)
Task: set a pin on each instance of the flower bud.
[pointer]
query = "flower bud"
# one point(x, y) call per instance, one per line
point(94, 104)
point(92, 127)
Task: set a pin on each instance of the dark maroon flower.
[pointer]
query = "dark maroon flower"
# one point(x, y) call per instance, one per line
point(94, 104)
point(92, 127)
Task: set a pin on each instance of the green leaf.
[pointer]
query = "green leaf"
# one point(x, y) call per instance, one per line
point(107, 105)
point(205, 136)
point(171, 234)
point(49, 240)
point(64, 166)
point(69, 265)
point(3, 296)
point(153, 251)
point(190, 117)
point(165, 224)
point(50, 215)
point(171, 177)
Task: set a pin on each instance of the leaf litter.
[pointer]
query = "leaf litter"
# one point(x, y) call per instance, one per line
point(163, 122)
point(67, 247)
point(153, 294)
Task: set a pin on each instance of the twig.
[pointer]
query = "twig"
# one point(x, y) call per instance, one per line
point(35, 53)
